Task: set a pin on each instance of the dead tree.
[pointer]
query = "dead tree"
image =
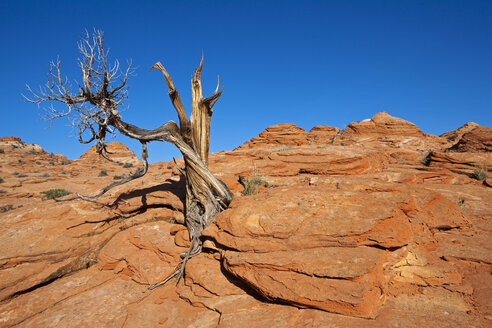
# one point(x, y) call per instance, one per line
point(95, 110)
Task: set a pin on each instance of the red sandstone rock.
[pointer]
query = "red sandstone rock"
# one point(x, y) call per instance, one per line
point(363, 229)
point(280, 135)
point(322, 134)
point(477, 140)
point(455, 135)
point(117, 152)
point(5, 139)
point(383, 124)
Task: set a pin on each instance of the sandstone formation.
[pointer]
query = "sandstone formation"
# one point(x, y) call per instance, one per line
point(455, 135)
point(477, 140)
point(378, 225)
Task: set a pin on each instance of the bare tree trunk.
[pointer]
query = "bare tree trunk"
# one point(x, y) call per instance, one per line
point(95, 107)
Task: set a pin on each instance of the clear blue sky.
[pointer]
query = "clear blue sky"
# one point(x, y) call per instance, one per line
point(302, 62)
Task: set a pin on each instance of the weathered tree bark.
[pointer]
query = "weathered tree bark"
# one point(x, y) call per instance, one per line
point(96, 108)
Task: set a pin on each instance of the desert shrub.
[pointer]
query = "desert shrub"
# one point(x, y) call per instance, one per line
point(103, 173)
point(16, 173)
point(252, 183)
point(117, 177)
point(460, 202)
point(425, 159)
point(1, 179)
point(54, 193)
point(52, 163)
point(22, 175)
point(64, 163)
point(46, 175)
point(127, 165)
point(283, 148)
point(2, 151)
point(451, 138)
point(480, 172)
point(21, 161)
point(38, 163)
point(6, 208)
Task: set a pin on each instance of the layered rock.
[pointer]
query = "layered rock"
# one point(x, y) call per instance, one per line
point(278, 135)
point(116, 152)
point(478, 139)
point(383, 124)
point(348, 230)
point(455, 135)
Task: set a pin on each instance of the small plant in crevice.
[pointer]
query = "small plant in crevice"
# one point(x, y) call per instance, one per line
point(22, 175)
point(64, 163)
point(252, 183)
point(6, 208)
point(425, 160)
point(303, 180)
point(281, 149)
point(54, 193)
point(1, 179)
point(460, 202)
point(480, 172)
point(2, 151)
point(127, 165)
point(103, 173)
point(118, 177)
point(46, 175)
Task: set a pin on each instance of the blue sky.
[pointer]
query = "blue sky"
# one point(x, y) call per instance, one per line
point(301, 62)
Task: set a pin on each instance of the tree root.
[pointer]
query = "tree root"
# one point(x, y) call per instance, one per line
point(194, 250)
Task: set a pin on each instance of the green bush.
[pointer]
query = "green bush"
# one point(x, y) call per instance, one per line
point(425, 160)
point(252, 183)
point(1, 180)
point(6, 208)
point(103, 173)
point(480, 172)
point(55, 193)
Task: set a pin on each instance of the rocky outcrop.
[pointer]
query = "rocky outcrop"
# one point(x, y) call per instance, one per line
point(364, 229)
point(278, 135)
point(6, 139)
point(383, 124)
point(322, 134)
point(116, 152)
point(478, 139)
point(455, 135)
